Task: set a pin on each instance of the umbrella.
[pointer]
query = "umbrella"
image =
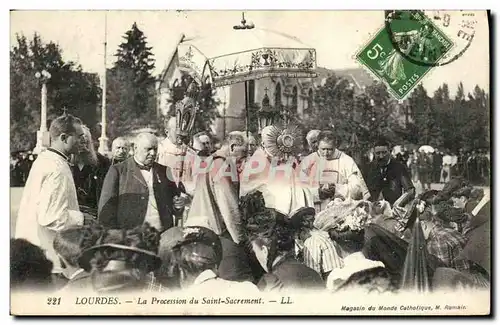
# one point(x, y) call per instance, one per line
point(385, 246)
point(416, 268)
point(426, 149)
point(397, 149)
point(245, 53)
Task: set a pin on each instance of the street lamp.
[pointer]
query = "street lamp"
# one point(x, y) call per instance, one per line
point(42, 135)
point(103, 140)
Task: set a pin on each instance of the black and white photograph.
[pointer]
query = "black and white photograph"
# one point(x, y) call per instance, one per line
point(244, 162)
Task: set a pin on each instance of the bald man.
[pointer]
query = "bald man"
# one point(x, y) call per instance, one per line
point(120, 149)
point(139, 190)
point(312, 140)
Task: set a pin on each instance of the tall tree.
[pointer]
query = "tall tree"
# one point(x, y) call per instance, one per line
point(334, 103)
point(68, 86)
point(424, 118)
point(135, 55)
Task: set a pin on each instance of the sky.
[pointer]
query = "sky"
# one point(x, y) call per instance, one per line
point(336, 36)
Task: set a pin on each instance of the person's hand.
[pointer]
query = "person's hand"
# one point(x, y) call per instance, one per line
point(179, 202)
point(421, 206)
point(89, 219)
point(326, 191)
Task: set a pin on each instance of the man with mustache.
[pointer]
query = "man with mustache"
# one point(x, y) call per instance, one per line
point(120, 149)
point(139, 190)
point(387, 177)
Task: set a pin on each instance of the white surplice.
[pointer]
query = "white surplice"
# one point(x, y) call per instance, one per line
point(341, 171)
point(279, 184)
point(49, 203)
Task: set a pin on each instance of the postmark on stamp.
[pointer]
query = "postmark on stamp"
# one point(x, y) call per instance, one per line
point(401, 54)
point(459, 25)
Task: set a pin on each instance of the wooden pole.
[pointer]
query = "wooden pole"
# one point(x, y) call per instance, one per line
point(247, 114)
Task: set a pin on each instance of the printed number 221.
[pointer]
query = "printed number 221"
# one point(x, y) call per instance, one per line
point(374, 53)
point(54, 301)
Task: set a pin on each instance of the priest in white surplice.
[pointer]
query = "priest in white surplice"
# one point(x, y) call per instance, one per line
point(332, 173)
point(49, 203)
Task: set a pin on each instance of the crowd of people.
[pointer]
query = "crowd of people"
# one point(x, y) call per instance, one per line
point(163, 215)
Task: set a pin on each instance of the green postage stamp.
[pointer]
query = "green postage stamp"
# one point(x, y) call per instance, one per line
point(403, 51)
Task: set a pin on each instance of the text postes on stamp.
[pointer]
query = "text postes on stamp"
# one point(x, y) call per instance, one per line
point(394, 55)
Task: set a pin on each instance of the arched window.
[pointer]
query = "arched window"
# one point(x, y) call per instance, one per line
point(310, 99)
point(294, 98)
point(277, 95)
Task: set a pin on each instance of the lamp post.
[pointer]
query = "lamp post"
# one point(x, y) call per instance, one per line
point(42, 135)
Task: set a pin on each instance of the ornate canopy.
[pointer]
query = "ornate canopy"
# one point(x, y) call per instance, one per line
point(241, 55)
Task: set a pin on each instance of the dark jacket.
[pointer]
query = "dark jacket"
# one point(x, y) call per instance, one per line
point(124, 197)
point(89, 181)
point(391, 181)
point(291, 275)
point(235, 264)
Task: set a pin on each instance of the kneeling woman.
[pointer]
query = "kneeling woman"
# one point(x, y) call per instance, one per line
point(358, 272)
point(272, 241)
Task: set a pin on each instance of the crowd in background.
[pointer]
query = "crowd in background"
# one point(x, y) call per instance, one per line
point(121, 223)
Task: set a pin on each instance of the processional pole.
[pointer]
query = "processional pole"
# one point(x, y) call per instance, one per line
point(247, 115)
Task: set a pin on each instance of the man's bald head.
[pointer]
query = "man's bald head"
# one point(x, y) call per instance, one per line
point(120, 148)
point(145, 148)
point(312, 139)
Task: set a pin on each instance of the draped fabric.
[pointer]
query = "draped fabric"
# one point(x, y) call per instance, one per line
point(382, 245)
point(416, 268)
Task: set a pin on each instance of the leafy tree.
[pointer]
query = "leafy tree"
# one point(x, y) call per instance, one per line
point(68, 87)
point(334, 102)
point(426, 120)
point(134, 55)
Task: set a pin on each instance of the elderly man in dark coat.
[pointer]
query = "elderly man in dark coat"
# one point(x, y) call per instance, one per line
point(139, 190)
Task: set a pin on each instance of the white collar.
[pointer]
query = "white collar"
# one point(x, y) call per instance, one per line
point(79, 271)
point(205, 276)
point(336, 155)
point(141, 164)
point(481, 204)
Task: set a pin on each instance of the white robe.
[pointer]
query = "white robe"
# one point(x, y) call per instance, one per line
point(341, 171)
point(49, 204)
point(280, 185)
point(174, 157)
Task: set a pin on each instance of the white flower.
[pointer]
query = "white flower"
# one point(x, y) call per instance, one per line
point(188, 231)
point(356, 221)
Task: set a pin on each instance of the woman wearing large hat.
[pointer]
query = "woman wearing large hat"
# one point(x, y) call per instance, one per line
point(122, 258)
point(197, 257)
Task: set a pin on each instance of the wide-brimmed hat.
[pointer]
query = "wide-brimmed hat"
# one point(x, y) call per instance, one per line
point(297, 215)
point(198, 234)
point(151, 259)
point(457, 186)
